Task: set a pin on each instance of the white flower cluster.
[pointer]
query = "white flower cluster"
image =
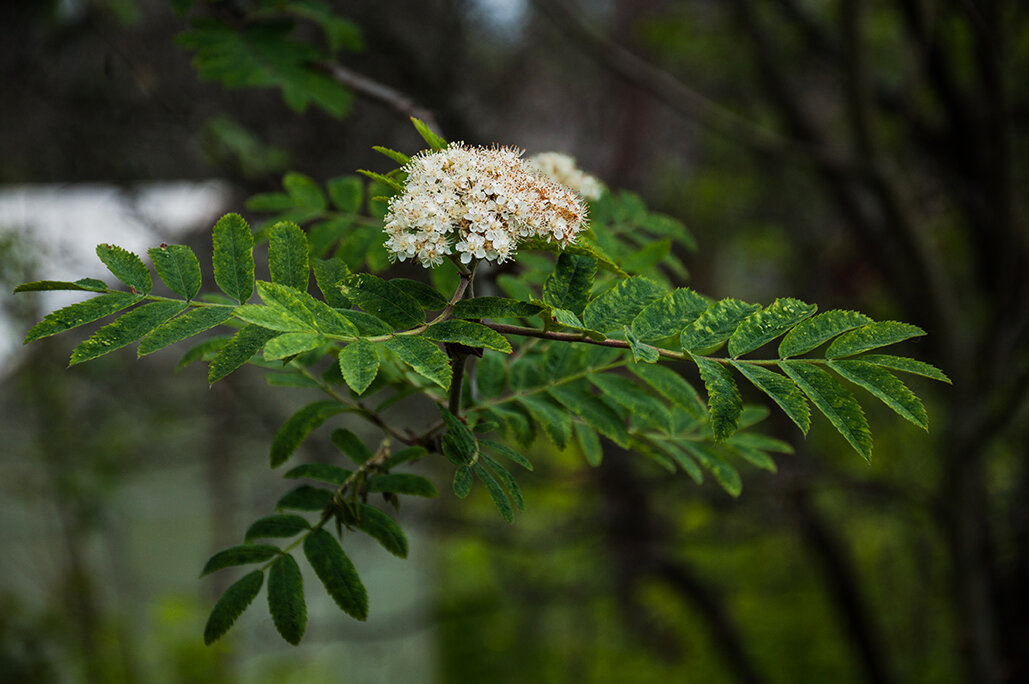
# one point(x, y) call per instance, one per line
point(562, 168)
point(479, 203)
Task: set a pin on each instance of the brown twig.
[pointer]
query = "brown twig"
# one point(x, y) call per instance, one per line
point(381, 93)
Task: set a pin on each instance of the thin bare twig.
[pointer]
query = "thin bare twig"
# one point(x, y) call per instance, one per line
point(381, 93)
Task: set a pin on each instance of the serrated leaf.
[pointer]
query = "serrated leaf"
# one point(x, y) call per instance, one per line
point(763, 326)
point(351, 445)
point(713, 327)
point(80, 313)
point(886, 386)
point(468, 334)
point(490, 375)
point(568, 287)
point(494, 307)
point(507, 452)
point(299, 426)
point(303, 191)
point(291, 344)
point(463, 480)
point(193, 322)
point(178, 268)
point(819, 329)
point(337, 574)
point(347, 193)
point(668, 315)
point(682, 459)
point(202, 351)
point(506, 478)
point(835, 403)
point(402, 483)
point(871, 336)
point(404, 455)
point(641, 352)
point(426, 295)
point(281, 525)
point(423, 356)
point(125, 330)
point(244, 554)
point(289, 255)
point(273, 318)
point(434, 141)
point(782, 391)
point(308, 311)
point(398, 157)
point(551, 416)
point(234, 257)
point(579, 399)
point(625, 392)
point(366, 324)
point(571, 323)
point(672, 386)
point(126, 267)
point(359, 363)
point(383, 180)
point(906, 365)
point(305, 498)
point(82, 284)
point(241, 348)
point(723, 398)
point(754, 457)
point(496, 492)
point(286, 599)
point(382, 529)
point(589, 442)
point(621, 304)
point(323, 472)
point(462, 441)
point(329, 274)
point(384, 300)
point(725, 475)
point(231, 605)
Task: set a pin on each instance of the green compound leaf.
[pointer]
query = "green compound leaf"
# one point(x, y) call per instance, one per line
point(568, 287)
point(323, 472)
point(723, 398)
point(299, 426)
point(426, 295)
point(337, 574)
point(507, 479)
point(82, 284)
point(74, 315)
point(463, 480)
point(906, 365)
point(764, 326)
point(382, 529)
point(178, 268)
point(640, 352)
point(304, 191)
point(193, 322)
point(589, 442)
point(627, 393)
point(568, 320)
point(244, 554)
point(126, 267)
point(329, 274)
point(366, 324)
point(496, 492)
point(434, 141)
point(384, 300)
point(237, 351)
point(871, 336)
point(404, 455)
point(683, 460)
point(272, 318)
point(351, 445)
point(459, 443)
point(286, 599)
point(423, 356)
point(202, 351)
point(282, 525)
point(490, 375)
point(469, 334)
point(669, 315)
point(347, 193)
point(403, 483)
point(671, 386)
point(126, 330)
point(507, 452)
point(288, 256)
point(782, 390)
point(621, 304)
point(886, 386)
point(725, 475)
point(578, 398)
point(710, 331)
point(551, 416)
point(231, 605)
point(234, 257)
point(494, 307)
point(305, 498)
point(817, 330)
point(302, 308)
point(381, 179)
point(359, 364)
point(398, 157)
point(835, 403)
point(291, 344)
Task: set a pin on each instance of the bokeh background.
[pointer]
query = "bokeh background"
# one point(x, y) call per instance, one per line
point(865, 154)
